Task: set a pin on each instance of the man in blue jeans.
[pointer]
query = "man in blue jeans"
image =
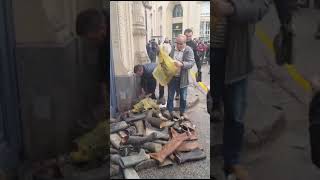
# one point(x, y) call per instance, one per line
point(241, 17)
point(183, 59)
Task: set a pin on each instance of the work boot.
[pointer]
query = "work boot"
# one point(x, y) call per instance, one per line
point(177, 97)
point(238, 171)
point(194, 155)
point(169, 148)
point(129, 161)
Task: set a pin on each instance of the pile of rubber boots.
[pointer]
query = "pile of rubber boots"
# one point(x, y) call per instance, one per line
point(145, 140)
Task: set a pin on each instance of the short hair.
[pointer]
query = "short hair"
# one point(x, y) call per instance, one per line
point(89, 20)
point(137, 68)
point(187, 31)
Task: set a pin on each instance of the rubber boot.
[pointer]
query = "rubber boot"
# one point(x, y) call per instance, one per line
point(130, 173)
point(135, 117)
point(152, 147)
point(115, 140)
point(194, 155)
point(140, 128)
point(189, 146)
point(115, 158)
point(138, 140)
point(113, 151)
point(131, 131)
point(114, 170)
point(115, 127)
point(169, 148)
point(149, 163)
point(160, 135)
point(130, 161)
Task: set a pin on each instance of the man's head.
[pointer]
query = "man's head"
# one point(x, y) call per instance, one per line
point(138, 70)
point(181, 42)
point(188, 33)
point(91, 24)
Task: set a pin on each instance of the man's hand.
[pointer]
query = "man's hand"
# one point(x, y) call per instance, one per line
point(222, 8)
point(178, 64)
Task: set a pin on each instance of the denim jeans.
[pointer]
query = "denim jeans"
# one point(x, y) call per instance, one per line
point(235, 103)
point(219, 55)
point(173, 86)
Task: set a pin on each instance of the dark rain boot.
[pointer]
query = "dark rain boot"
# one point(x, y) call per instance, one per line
point(152, 147)
point(194, 155)
point(138, 140)
point(189, 146)
point(130, 161)
point(149, 163)
point(115, 127)
point(140, 128)
point(130, 173)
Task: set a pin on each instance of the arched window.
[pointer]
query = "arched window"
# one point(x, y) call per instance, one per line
point(177, 11)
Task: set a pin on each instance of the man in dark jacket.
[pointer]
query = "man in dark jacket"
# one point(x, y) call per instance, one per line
point(148, 82)
point(188, 33)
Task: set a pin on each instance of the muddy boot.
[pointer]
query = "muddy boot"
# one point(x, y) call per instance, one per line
point(114, 170)
point(115, 158)
point(194, 155)
point(135, 117)
point(157, 122)
point(187, 146)
point(140, 128)
point(166, 162)
point(113, 151)
point(238, 171)
point(149, 163)
point(169, 148)
point(133, 160)
point(115, 140)
point(130, 173)
point(138, 140)
point(115, 127)
point(152, 147)
point(160, 135)
point(131, 131)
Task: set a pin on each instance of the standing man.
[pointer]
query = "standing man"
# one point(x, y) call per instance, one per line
point(188, 33)
point(183, 59)
point(242, 16)
point(91, 26)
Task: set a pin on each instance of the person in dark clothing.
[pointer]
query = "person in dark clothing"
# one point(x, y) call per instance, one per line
point(314, 122)
point(188, 33)
point(91, 26)
point(148, 82)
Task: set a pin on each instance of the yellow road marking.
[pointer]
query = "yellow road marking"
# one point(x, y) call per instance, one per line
point(293, 72)
point(203, 86)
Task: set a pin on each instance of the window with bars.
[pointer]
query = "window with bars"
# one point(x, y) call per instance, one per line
point(177, 11)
